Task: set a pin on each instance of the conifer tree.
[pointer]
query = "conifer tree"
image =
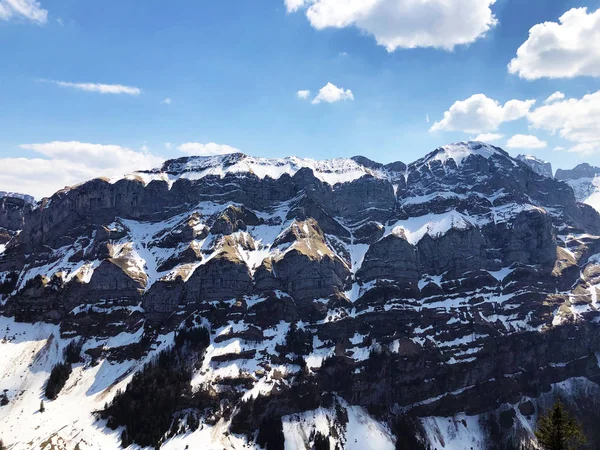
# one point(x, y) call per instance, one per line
point(124, 439)
point(270, 434)
point(558, 430)
point(321, 442)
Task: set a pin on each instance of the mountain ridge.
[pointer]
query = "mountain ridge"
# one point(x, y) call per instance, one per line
point(461, 283)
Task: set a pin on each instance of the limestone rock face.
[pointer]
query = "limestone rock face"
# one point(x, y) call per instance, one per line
point(305, 266)
point(539, 166)
point(391, 258)
point(234, 219)
point(459, 282)
point(12, 212)
point(113, 280)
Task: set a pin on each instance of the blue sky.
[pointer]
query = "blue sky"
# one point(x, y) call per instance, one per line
point(232, 70)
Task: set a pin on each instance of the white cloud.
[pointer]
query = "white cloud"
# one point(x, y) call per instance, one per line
point(575, 120)
point(294, 5)
point(404, 23)
point(480, 114)
point(60, 164)
point(167, 101)
point(303, 94)
point(561, 50)
point(23, 10)
point(427, 118)
point(99, 87)
point(330, 93)
point(586, 148)
point(210, 149)
point(489, 137)
point(168, 145)
point(526, 141)
point(554, 97)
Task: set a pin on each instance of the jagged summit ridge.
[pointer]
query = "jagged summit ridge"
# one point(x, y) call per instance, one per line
point(538, 165)
point(332, 171)
point(25, 197)
point(460, 152)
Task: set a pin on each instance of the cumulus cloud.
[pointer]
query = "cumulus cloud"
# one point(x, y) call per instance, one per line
point(575, 120)
point(294, 5)
point(30, 10)
point(554, 97)
point(210, 149)
point(526, 141)
point(489, 137)
point(330, 93)
point(59, 164)
point(303, 94)
point(480, 114)
point(561, 50)
point(99, 87)
point(404, 23)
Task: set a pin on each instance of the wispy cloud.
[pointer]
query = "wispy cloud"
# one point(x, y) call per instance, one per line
point(167, 101)
point(98, 87)
point(23, 9)
point(526, 141)
point(489, 137)
point(303, 94)
point(210, 149)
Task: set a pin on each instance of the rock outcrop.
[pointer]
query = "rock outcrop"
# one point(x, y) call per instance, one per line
point(459, 283)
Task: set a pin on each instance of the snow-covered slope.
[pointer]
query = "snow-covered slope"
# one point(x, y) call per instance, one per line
point(334, 171)
point(539, 166)
point(587, 190)
point(585, 181)
point(338, 296)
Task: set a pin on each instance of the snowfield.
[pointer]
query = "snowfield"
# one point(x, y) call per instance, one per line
point(27, 354)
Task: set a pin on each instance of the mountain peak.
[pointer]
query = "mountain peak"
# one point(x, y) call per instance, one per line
point(460, 151)
point(538, 165)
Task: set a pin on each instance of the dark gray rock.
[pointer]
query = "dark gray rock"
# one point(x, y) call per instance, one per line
point(539, 166)
point(583, 170)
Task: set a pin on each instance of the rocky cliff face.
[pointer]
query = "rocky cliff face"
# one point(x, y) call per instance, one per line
point(462, 283)
point(13, 209)
point(537, 165)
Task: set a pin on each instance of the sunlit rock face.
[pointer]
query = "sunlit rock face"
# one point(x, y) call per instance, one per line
point(339, 295)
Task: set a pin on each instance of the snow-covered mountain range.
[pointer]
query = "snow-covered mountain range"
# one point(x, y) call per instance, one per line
point(442, 303)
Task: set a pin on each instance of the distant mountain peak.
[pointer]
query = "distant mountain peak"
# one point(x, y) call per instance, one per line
point(26, 198)
point(538, 165)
